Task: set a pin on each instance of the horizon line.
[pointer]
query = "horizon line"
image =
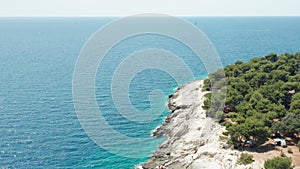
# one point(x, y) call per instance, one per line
point(118, 16)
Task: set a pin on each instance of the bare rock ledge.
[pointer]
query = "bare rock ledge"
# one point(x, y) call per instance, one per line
point(193, 139)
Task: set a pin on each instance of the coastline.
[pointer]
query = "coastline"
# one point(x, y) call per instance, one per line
point(194, 141)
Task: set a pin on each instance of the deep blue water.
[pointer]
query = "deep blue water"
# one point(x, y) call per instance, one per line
point(38, 123)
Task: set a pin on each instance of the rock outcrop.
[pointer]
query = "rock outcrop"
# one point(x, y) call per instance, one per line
point(194, 141)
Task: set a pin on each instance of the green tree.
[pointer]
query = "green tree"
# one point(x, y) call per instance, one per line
point(295, 107)
point(256, 128)
point(246, 158)
point(278, 163)
point(291, 123)
point(279, 75)
point(272, 57)
point(295, 104)
point(258, 92)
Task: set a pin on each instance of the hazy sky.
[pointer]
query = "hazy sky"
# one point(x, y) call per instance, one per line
point(129, 7)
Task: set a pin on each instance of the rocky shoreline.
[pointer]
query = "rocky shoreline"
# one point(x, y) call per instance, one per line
point(194, 141)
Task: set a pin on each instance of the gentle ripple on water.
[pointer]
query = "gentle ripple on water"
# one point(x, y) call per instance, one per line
point(38, 124)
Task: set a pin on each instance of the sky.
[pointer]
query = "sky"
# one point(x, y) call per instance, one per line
point(131, 7)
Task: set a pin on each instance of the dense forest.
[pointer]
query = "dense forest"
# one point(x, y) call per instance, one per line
point(262, 98)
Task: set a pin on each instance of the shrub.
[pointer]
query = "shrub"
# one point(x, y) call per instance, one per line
point(206, 86)
point(246, 158)
point(206, 82)
point(223, 138)
point(278, 163)
point(283, 154)
point(219, 114)
point(226, 133)
point(207, 103)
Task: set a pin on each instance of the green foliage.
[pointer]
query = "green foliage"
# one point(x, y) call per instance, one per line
point(246, 158)
point(206, 85)
point(208, 95)
point(278, 163)
point(225, 133)
point(298, 145)
point(219, 114)
point(207, 101)
point(251, 126)
point(206, 82)
point(259, 91)
point(295, 107)
point(290, 124)
point(272, 57)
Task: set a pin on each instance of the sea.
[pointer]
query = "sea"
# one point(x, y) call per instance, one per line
point(39, 126)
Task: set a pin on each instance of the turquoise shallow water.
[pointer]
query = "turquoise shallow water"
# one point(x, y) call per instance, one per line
point(38, 125)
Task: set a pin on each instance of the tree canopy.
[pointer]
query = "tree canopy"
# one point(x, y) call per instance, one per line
point(278, 163)
point(263, 96)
